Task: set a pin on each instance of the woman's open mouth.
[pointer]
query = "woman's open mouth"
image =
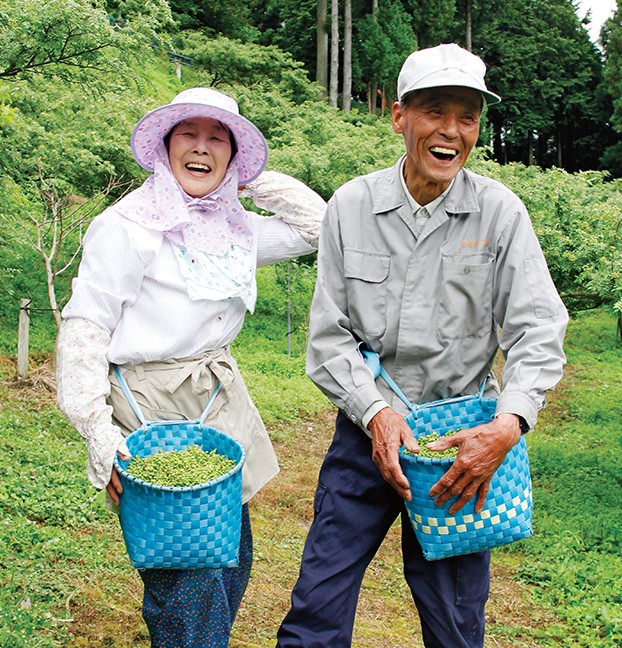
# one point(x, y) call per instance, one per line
point(196, 167)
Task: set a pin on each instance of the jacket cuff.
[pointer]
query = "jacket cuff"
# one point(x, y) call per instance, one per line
point(360, 401)
point(520, 404)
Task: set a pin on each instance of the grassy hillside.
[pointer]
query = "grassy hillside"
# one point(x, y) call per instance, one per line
point(66, 581)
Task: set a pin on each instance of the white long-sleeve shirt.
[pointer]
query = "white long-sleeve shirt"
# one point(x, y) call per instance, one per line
point(129, 282)
point(130, 305)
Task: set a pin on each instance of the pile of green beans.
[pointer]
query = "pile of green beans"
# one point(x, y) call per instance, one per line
point(187, 467)
point(450, 453)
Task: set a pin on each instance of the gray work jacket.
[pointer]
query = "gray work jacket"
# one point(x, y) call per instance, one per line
point(435, 307)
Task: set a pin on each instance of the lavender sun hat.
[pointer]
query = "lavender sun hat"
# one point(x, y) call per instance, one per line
point(252, 153)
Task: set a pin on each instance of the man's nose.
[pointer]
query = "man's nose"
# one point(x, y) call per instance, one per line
point(449, 126)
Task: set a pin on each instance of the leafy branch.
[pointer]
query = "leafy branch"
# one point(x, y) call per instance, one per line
point(56, 232)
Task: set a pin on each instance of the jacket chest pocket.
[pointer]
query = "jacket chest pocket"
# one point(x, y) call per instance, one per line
point(366, 275)
point(465, 307)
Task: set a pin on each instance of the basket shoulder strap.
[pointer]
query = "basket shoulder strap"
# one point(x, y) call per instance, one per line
point(128, 395)
point(372, 360)
point(208, 407)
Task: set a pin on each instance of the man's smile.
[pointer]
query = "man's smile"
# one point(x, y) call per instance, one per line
point(441, 153)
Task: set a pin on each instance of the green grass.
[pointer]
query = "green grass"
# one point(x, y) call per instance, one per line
point(65, 579)
point(574, 559)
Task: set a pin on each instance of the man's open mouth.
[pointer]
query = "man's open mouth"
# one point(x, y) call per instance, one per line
point(441, 153)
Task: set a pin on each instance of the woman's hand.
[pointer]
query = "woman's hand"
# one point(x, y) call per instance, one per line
point(114, 487)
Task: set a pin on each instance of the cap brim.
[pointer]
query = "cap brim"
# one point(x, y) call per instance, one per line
point(252, 153)
point(452, 77)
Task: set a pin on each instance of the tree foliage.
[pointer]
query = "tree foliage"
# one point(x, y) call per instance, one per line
point(224, 62)
point(228, 17)
point(385, 40)
point(548, 72)
point(540, 61)
point(70, 40)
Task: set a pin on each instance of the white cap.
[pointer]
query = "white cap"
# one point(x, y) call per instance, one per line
point(444, 65)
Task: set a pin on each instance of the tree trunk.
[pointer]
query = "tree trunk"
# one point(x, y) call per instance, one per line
point(373, 85)
point(321, 67)
point(22, 339)
point(334, 53)
point(52, 292)
point(383, 101)
point(468, 20)
point(347, 55)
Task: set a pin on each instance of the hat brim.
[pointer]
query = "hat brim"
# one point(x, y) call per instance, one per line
point(252, 153)
point(452, 77)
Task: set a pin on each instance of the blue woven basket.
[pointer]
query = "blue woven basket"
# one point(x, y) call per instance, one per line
point(507, 513)
point(188, 527)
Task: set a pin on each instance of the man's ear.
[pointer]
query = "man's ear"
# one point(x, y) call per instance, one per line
point(397, 117)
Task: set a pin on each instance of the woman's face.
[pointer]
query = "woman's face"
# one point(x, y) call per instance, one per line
point(199, 154)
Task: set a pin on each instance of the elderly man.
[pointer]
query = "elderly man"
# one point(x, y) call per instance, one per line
point(424, 262)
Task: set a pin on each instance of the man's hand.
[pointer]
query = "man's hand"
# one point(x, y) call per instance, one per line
point(481, 450)
point(389, 431)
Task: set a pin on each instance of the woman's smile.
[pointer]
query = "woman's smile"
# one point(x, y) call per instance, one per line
point(199, 155)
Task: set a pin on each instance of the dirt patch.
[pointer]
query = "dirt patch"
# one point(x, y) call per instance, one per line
point(386, 615)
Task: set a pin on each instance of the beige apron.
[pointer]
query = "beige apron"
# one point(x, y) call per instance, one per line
point(180, 390)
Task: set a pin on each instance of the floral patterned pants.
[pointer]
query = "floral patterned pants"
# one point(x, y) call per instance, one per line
point(196, 608)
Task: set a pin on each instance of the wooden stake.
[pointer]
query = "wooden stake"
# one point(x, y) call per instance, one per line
point(22, 339)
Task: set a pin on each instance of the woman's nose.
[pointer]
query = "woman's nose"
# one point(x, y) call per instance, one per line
point(201, 146)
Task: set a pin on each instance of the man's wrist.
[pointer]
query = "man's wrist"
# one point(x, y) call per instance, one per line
point(524, 426)
point(371, 411)
point(522, 422)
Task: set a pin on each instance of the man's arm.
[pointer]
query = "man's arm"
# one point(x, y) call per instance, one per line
point(338, 369)
point(533, 321)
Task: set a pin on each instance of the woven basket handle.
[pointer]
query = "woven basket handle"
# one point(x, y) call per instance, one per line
point(136, 408)
point(372, 360)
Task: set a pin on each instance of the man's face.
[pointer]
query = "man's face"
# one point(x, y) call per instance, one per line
point(440, 127)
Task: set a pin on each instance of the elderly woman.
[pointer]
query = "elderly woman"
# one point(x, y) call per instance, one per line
point(166, 278)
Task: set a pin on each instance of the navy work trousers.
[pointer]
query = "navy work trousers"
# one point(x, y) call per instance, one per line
point(354, 509)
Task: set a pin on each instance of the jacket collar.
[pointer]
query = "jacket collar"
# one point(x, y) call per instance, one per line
point(461, 198)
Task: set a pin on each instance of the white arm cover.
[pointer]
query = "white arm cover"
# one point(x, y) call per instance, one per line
point(290, 200)
point(82, 388)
